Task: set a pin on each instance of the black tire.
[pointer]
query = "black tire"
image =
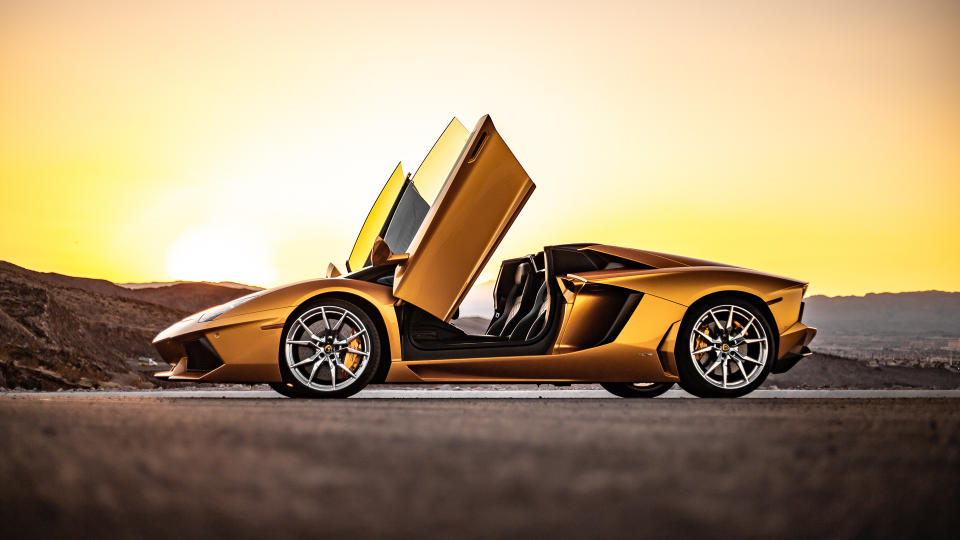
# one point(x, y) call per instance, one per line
point(696, 377)
point(297, 386)
point(632, 390)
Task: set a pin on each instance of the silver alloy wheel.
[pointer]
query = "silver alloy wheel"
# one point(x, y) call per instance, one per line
point(729, 347)
point(327, 348)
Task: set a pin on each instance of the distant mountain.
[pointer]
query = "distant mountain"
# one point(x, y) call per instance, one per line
point(59, 331)
point(191, 296)
point(920, 328)
point(908, 313)
point(155, 284)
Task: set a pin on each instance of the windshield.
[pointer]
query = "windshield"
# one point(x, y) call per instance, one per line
point(402, 205)
point(360, 255)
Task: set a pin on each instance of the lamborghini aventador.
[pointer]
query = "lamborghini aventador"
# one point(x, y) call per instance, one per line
point(635, 321)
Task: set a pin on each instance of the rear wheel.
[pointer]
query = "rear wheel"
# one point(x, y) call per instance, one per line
point(330, 349)
point(637, 390)
point(725, 348)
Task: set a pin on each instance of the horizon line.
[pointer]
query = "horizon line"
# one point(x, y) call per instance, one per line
point(148, 284)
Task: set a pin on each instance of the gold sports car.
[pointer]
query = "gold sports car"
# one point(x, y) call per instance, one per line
point(634, 321)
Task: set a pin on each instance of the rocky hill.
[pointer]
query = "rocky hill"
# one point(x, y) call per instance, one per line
point(908, 313)
point(59, 331)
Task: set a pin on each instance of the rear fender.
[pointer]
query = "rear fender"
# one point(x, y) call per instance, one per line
point(687, 285)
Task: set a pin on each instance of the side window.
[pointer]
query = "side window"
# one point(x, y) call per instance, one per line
point(406, 219)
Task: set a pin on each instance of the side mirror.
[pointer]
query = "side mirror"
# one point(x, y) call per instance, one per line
point(332, 271)
point(381, 254)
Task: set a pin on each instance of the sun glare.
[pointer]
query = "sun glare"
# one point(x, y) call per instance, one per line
point(219, 253)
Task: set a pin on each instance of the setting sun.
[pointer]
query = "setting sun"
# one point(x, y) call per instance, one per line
point(218, 253)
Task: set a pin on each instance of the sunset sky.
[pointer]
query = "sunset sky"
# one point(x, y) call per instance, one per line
point(144, 141)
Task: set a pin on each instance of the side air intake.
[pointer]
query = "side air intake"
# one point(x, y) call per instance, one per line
point(201, 355)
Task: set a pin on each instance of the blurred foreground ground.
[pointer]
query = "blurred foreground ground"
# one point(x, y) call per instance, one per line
point(128, 466)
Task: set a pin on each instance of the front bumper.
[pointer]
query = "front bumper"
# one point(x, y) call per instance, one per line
point(235, 349)
point(794, 346)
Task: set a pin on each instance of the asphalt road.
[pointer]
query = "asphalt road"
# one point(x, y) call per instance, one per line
point(515, 391)
point(94, 465)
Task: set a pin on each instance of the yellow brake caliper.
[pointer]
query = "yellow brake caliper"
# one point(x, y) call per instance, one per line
point(352, 360)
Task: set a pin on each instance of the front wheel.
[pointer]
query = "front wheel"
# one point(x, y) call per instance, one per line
point(330, 349)
point(637, 390)
point(725, 348)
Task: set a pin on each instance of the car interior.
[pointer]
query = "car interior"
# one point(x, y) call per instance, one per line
point(527, 307)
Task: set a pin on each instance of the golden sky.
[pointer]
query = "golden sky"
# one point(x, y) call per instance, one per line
point(246, 141)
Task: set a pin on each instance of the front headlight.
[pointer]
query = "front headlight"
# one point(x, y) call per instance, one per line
point(217, 311)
